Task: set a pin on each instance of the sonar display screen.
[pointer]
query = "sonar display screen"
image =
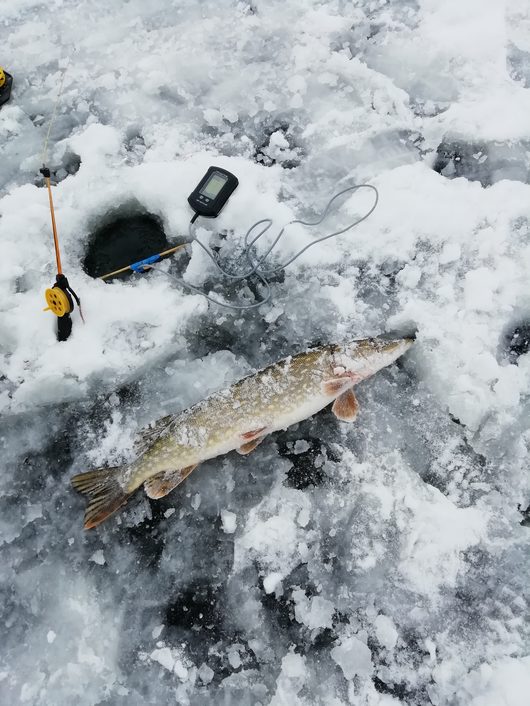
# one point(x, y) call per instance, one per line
point(214, 185)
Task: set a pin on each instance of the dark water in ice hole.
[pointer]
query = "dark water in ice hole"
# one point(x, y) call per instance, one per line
point(123, 242)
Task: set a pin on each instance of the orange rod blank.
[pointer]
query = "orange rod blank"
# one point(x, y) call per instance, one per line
point(54, 228)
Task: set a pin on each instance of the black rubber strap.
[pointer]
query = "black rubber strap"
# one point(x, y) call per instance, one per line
point(77, 300)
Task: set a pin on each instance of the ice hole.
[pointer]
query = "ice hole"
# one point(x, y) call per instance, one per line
point(516, 341)
point(126, 239)
point(487, 163)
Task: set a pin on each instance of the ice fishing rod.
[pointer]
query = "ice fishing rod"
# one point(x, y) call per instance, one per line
point(207, 200)
point(60, 297)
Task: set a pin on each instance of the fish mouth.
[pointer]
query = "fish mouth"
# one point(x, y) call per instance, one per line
point(399, 344)
point(394, 343)
point(384, 344)
point(390, 351)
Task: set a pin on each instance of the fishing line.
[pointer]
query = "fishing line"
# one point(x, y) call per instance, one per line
point(52, 119)
point(255, 264)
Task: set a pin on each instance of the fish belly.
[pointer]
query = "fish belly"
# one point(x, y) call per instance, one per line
point(307, 409)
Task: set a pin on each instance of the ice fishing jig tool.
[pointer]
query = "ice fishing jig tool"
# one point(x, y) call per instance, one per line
point(146, 264)
point(60, 297)
point(207, 200)
point(6, 84)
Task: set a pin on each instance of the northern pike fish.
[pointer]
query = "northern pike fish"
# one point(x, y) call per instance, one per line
point(239, 418)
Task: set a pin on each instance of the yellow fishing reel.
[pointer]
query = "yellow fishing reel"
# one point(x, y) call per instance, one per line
point(2, 77)
point(57, 301)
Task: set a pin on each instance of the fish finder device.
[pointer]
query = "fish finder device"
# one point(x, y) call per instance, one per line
point(208, 199)
point(212, 192)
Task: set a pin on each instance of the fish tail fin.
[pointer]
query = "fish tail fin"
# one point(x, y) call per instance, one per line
point(105, 493)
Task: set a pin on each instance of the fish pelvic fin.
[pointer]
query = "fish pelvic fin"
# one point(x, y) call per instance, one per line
point(253, 434)
point(163, 483)
point(249, 446)
point(105, 493)
point(346, 407)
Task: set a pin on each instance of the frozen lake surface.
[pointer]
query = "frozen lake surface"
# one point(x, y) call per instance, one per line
point(384, 563)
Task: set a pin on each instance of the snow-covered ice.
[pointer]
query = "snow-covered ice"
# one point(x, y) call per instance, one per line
point(384, 563)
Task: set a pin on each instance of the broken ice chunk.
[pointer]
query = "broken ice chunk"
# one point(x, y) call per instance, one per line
point(353, 657)
point(229, 521)
point(164, 657)
point(386, 631)
point(271, 581)
point(98, 557)
point(205, 673)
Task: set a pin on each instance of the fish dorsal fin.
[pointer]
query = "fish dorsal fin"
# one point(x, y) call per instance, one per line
point(346, 406)
point(163, 483)
point(147, 436)
point(249, 446)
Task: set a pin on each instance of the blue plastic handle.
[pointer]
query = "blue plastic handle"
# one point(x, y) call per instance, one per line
point(140, 265)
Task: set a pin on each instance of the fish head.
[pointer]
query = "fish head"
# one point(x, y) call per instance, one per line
point(365, 357)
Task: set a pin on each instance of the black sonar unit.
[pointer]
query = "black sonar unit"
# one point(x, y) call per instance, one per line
point(212, 192)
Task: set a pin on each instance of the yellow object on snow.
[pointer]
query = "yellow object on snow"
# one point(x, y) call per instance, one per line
point(2, 77)
point(57, 301)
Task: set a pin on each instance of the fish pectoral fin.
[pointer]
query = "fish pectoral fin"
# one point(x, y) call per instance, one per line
point(336, 386)
point(249, 446)
point(105, 493)
point(253, 434)
point(340, 383)
point(163, 483)
point(346, 406)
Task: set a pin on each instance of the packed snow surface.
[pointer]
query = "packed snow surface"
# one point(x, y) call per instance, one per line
point(382, 563)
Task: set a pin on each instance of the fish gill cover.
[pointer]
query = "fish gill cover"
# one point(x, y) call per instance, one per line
point(382, 563)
